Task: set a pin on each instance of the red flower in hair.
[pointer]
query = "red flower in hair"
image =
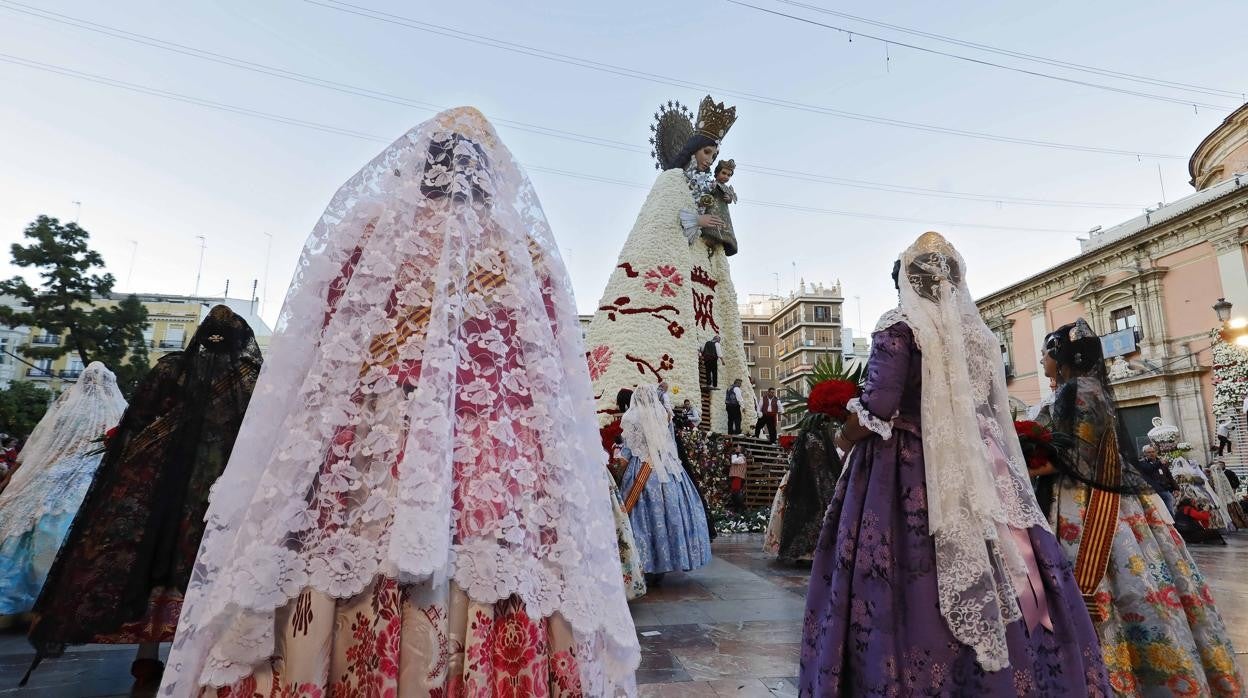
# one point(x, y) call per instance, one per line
point(831, 397)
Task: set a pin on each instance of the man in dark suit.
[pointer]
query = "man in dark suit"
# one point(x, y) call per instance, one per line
point(712, 357)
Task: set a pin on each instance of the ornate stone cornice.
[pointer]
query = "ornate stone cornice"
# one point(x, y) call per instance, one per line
point(1222, 216)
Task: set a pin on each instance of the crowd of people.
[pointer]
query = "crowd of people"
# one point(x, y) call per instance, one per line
point(413, 492)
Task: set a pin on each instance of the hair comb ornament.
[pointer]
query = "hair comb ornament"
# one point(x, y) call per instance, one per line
point(714, 119)
point(1081, 330)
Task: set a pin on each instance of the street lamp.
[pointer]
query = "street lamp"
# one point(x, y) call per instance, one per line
point(1223, 309)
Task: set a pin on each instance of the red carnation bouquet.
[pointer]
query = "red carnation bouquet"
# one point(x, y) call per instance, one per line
point(1039, 443)
point(831, 397)
point(609, 434)
point(787, 441)
point(831, 384)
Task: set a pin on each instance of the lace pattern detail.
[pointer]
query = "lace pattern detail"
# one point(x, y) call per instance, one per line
point(56, 470)
point(976, 474)
point(436, 419)
point(647, 432)
point(870, 421)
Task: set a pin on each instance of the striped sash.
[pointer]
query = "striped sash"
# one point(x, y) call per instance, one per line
point(639, 484)
point(1100, 522)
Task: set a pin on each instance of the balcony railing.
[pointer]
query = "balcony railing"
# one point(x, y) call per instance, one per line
point(46, 339)
point(70, 373)
point(170, 344)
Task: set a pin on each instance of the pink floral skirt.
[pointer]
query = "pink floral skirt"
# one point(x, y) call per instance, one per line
point(391, 641)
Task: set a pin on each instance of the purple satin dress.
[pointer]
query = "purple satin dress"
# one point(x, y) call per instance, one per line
point(873, 625)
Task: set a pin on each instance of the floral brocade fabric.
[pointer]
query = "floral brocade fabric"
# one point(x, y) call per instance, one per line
point(126, 561)
point(1163, 636)
point(393, 641)
point(873, 623)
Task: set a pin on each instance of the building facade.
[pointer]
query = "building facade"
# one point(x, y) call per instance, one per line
point(1147, 286)
point(785, 336)
point(172, 321)
point(757, 314)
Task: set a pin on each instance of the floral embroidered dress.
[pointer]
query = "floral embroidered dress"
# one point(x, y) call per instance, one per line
point(40, 502)
point(873, 623)
point(1195, 486)
point(1162, 635)
point(433, 518)
point(802, 499)
point(630, 558)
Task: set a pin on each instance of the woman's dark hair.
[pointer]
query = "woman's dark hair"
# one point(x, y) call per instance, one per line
point(623, 400)
point(1077, 348)
point(695, 143)
point(897, 274)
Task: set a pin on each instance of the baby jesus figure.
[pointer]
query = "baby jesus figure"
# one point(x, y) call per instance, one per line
point(724, 170)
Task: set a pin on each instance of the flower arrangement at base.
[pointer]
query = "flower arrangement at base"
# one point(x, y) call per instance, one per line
point(746, 522)
point(707, 457)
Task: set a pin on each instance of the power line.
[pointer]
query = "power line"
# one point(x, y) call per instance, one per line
point(1105, 72)
point(288, 74)
point(980, 61)
point(325, 128)
point(368, 93)
point(397, 20)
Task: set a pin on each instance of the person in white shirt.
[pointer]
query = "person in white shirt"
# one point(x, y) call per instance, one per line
point(693, 415)
point(1225, 427)
point(768, 414)
point(736, 478)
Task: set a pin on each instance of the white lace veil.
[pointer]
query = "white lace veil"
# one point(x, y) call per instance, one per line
point(976, 475)
point(81, 415)
point(648, 434)
point(43, 431)
point(425, 414)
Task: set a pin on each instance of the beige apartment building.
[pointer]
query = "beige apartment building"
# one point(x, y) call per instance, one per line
point(1147, 285)
point(786, 336)
point(172, 321)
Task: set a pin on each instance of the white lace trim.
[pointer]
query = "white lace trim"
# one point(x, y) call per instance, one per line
point(870, 421)
point(976, 476)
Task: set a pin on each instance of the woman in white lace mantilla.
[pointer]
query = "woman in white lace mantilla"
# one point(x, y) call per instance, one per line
point(429, 515)
point(936, 573)
point(38, 506)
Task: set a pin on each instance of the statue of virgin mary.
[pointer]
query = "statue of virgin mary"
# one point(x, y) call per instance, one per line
point(671, 290)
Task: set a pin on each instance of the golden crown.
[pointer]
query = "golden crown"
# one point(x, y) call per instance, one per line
point(714, 119)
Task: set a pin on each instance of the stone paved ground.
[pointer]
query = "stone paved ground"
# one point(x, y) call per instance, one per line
point(729, 629)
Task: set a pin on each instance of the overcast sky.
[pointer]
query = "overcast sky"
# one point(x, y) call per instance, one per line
point(158, 172)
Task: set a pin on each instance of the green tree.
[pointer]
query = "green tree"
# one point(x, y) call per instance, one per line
point(21, 407)
point(61, 306)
